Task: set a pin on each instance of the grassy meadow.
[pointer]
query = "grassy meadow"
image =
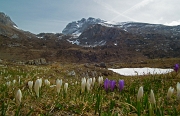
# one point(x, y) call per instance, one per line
point(91, 101)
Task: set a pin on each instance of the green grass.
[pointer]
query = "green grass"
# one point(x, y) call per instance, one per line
point(95, 102)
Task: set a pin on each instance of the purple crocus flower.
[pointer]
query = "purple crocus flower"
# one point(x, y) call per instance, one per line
point(121, 85)
point(106, 84)
point(112, 84)
point(176, 67)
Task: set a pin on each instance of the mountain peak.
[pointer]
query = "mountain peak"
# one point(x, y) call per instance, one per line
point(6, 20)
point(77, 27)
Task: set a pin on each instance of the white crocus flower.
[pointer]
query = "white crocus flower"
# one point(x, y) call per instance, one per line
point(152, 98)
point(100, 80)
point(93, 81)
point(19, 80)
point(140, 93)
point(30, 85)
point(18, 96)
point(88, 84)
point(58, 85)
point(65, 87)
point(40, 82)
point(83, 84)
point(14, 81)
point(37, 87)
point(170, 92)
point(178, 91)
point(8, 83)
point(47, 82)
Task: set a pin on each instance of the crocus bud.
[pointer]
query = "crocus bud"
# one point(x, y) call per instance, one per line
point(14, 81)
point(152, 98)
point(170, 92)
point(90, 81)
point(178, 91)
point(19, 80)
point(18, 96)
point(93, 81)
point(65, 87)
point(83, 84)
point(88, 84)
point(106, 84)
point(176, 67)
point(121, 85)
point(40, 80)
point(30, 85)
point(100, 80)
point(46, 82)
point(140, 93)
point(112, 84)
point(8, 83)
point(37, 86)
point(58, 85)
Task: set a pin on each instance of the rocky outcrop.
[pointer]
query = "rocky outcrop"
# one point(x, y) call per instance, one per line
point(77, 27)
point(39, 61)
point(6, 20)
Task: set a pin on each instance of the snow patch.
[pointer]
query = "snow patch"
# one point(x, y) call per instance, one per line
point(74, 41)
point(140, 71)
point(15, 27)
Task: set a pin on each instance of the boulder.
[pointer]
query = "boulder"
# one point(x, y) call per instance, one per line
point(43, 60)
point(72, 73)
point(39, 61)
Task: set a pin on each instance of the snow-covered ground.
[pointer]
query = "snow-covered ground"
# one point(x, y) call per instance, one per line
point(140, 71)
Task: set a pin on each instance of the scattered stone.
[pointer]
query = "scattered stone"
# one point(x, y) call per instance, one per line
point(39, 61)
point(15, 36)
point(20, 63)
point(72, 73)
point(103, 65)
point(86, 65)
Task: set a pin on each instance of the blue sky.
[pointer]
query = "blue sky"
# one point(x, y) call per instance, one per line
point(53, 15)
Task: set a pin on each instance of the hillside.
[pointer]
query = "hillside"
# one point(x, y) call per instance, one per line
point(94, 40)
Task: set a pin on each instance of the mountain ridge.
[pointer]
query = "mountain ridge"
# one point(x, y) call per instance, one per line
point(98, 41)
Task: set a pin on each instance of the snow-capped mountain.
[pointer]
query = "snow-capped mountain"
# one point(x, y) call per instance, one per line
point(90, 40)
point(96, 32)
point(77, 27)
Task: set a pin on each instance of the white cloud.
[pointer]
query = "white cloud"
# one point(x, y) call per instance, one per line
point(109, 7)
point(134, 7)
point(173, 23)
point(138, 5)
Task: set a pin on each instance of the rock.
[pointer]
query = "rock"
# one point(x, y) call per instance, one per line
point(43, 60)
point(30, 62)
point(86, 65)
point(103, 65)
point(39, 61)
point(15, 36)
point(72, 73)
point(20, 63)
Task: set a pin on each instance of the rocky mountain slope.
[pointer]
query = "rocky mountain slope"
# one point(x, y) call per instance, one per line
point(90, 40)
point(152, 40)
